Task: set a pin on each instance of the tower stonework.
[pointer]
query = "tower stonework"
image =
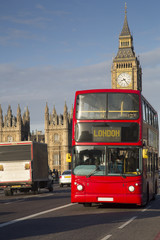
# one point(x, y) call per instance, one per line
point(126, 72)
point(14, 128)
point(58, 135)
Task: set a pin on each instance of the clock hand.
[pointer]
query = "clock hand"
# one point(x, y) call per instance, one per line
point(124, 80)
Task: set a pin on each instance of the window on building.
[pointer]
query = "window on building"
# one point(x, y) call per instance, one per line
point(10, 139)
point(56, 159)
point(56, 137)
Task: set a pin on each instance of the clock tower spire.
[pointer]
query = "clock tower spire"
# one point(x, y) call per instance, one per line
point(126, 71)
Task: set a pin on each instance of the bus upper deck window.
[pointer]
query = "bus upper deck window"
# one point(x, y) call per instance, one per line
point(123, 106)
point(91, 106)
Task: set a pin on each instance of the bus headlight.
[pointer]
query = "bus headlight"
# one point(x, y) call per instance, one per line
point(79, 187)
point(131, 188)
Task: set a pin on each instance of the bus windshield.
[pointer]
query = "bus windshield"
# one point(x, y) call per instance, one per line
point(107, 161)
point(107, 106)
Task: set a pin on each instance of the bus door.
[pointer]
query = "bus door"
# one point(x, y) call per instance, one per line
point(115, 172)
point(106, 179)
point(153, 172)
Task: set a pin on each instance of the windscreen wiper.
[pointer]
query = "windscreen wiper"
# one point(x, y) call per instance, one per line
point(123, 175)
point(94, 171)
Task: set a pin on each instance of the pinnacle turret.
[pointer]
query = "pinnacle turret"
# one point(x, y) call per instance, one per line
point(65, 109)
point(125, 29)
point(12, 128)
point(46, 109)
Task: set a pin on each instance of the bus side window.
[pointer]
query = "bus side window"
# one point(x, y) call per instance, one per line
point(144, 111)
point(156, 161)
point(151, 162)
point(147, 114)
point(148, 163)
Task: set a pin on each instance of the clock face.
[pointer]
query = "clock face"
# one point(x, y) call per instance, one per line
point(124, 79)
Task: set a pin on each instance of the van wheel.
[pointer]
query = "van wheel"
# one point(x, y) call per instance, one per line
point(50, 188)
point(36, 188)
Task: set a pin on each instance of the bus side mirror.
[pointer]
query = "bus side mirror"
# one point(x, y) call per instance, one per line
point(145, 153)
point(68, 157)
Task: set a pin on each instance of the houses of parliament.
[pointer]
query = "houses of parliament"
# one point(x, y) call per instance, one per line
point(126, 73)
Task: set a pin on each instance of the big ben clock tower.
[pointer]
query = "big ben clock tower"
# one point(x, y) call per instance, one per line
point(126, 71)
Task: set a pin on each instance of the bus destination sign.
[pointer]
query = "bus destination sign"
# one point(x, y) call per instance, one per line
point(106, 134)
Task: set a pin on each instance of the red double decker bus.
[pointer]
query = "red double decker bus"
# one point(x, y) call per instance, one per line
point(115, 142)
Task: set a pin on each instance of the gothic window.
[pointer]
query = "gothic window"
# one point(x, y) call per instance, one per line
point(56, 159)
point(56, 137)
point(125, 44)
point(7, 122)
point(10, 139)
point(50, 137)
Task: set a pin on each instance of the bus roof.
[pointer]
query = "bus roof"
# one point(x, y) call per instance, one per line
point(107, 90)
point(114, 91)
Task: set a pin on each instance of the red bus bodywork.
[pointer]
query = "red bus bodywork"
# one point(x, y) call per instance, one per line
point(113, 189)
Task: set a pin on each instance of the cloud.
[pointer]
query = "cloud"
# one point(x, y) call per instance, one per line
point(39, 6)
point(35, 86)
point(151, 58)
point(14, 37)
point(59, 13)
point(23, 20)
point(150, 78)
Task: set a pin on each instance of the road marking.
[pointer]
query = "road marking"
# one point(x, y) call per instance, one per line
point(35, 215)
point(145, 209)
point(14, 201)
point(106, 237)
point(126, 223)
point(45, 195)
point(22, 198)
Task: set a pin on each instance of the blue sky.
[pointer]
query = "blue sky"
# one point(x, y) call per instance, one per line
point(49, 49)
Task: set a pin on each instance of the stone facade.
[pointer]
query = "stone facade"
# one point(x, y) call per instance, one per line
point(37, 136)
point(58, 136)
point(14, 128)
